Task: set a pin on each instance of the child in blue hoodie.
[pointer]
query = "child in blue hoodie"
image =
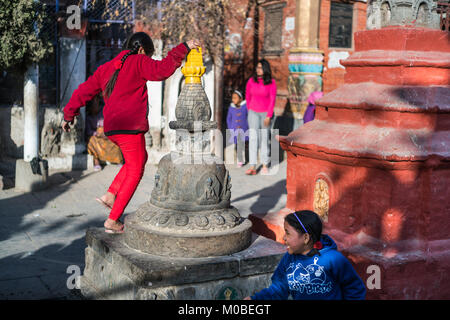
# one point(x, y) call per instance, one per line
point(312, 269)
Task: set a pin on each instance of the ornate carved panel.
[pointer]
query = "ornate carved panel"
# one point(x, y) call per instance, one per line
point(321, 199)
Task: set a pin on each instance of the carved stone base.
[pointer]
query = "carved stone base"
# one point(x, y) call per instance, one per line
point(189, 212)
point(114, 271)
point(186, 221)
point(192, 244)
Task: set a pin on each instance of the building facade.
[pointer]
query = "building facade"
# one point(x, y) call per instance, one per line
point(303, 41)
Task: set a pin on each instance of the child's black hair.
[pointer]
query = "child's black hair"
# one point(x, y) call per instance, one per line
point(267, 73)
point(239, 93)
point(134, 42)
point(312, 223)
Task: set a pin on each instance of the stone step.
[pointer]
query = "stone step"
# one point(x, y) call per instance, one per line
point(114, 271)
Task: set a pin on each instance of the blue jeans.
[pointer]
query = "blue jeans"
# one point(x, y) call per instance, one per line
point(259, 138)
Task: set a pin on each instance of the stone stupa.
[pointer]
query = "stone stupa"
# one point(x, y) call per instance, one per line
point(186, 242)
point(189, 212)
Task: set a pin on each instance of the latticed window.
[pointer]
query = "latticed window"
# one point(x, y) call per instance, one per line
point(111, 22)
point(443, 9)
point(341, 21)
point(110, 11)
point(48, 68)
point(273, 23)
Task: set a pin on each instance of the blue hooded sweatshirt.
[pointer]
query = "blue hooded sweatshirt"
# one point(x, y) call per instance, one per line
point(328, 276)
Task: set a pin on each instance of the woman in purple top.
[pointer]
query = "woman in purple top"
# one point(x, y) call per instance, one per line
point(311, 109)
point(237, 125)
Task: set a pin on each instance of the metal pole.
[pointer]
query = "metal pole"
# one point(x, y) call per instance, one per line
point(58, 102)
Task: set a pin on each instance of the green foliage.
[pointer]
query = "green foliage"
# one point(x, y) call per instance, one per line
point(20, 46)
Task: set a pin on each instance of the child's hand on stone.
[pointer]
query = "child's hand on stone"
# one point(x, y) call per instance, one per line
point(66, 125)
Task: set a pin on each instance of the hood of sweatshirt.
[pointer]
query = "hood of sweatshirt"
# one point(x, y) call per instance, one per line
point(243, 102)
point(328, 243)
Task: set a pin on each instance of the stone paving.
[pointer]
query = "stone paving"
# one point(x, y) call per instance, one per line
point(43, 233)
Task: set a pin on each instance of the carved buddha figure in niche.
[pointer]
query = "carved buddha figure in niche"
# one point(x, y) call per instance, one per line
point(321, 199)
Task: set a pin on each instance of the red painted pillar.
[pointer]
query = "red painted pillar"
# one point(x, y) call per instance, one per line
point(380, 146)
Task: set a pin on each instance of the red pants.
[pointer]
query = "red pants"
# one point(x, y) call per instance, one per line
point(129, 176)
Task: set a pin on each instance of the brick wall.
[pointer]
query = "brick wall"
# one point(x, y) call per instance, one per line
point(280, 64)
point(239, 58)
point(238, 71)
point(334, 77)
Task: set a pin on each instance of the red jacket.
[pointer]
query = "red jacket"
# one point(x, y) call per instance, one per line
point(126, 110)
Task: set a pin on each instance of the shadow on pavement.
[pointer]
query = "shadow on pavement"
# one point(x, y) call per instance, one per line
point(42, 250)
point(267, 197)
point(43, 274)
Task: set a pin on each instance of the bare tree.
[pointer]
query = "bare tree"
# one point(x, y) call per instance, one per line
point(180, 20)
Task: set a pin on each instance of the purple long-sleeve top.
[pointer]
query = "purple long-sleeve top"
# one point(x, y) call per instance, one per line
point(237, 119)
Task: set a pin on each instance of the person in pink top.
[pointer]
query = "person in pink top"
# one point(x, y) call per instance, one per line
point(260, 94)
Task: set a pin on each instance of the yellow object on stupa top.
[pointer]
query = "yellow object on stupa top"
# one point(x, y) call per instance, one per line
point(193, 68)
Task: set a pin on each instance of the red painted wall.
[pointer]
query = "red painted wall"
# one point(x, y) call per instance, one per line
point(381, 143)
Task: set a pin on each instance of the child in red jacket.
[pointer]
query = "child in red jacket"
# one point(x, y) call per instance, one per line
point(123, 84)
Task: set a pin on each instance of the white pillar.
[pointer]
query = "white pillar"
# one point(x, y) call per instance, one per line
point(208, 85)
point(171, 97)
point(154, 89)
point(155, 92)
point(31, 113)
